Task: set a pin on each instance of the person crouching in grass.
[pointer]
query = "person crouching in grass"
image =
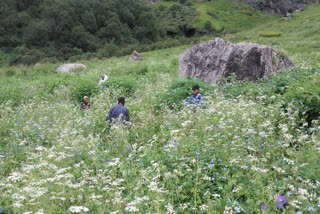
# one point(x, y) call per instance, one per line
point(85, 104)
point(119, 113)
point(195, 101)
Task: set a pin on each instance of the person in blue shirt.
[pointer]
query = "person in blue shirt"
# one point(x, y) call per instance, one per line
point(195, 100)
point(119, 113)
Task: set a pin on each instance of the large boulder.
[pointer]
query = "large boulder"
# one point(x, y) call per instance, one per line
point(66, 68)
point(282, 7)
point(217, 59)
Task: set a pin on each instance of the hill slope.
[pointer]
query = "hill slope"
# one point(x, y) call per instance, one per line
point(252, 142)
point(69, 30)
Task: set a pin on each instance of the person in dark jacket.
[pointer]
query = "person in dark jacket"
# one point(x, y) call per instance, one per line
point(119, 112)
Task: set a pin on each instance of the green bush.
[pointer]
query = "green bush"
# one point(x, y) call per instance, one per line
point(10, 72)
point(126, 85)
point(85, 88)
point(270, 34)
point(305, 96)
point(208, 26)
point(178, 91)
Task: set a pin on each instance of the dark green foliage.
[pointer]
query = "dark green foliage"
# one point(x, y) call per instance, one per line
point(178, 92)
point(67, 29)
point(306, 97)
point(281, 85)
point(298, 87)
point(10, 73)
point(85, 88)
point(208, 26)
point(177, 20)
point(63, 28)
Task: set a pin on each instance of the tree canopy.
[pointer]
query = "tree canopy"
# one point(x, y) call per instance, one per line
point(62, 28)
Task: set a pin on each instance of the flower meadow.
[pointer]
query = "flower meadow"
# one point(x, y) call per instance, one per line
point(253, 148)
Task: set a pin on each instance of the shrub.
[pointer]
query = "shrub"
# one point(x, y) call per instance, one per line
point(28, 58)
point(305, 96)
point(126, 85)
point(280, 85)
point(208, 26)
point(10, 72)
point(178, 91)
point(270, 34)
point(85, 88)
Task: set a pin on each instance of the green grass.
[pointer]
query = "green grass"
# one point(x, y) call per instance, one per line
point(229, 16)
point(252, 141)
point(299, 34)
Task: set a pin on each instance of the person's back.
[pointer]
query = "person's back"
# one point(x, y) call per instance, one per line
point(119, 112)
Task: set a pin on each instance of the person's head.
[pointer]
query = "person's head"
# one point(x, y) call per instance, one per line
point(86, 99)
point(196, 90)
point(121, 100)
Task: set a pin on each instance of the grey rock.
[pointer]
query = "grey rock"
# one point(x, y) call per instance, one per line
point(217, 59)
point(66, 68)
point(135, 56)
point(282, 7)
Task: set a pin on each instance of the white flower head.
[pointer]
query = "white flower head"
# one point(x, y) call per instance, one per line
point(78, 209)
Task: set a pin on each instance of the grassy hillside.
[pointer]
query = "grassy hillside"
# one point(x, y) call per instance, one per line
point(225, 16)
point(228, 16)
point(299, 35)
point(252, 142)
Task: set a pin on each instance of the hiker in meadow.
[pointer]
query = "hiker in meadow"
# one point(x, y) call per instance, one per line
point(195, 100)
point(103, 79)
point(119, 113)
point(85, 104)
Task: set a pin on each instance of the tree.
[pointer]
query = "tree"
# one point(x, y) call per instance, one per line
point(36, 33)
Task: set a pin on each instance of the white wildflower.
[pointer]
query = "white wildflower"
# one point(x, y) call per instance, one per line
point(78, 209)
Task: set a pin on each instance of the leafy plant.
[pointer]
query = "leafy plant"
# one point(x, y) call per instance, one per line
point(85, 88)
point(126, 85)
point(305, 96)
point(178, 92)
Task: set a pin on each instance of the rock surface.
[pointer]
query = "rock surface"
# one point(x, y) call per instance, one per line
point(282, 7)
point(66, 68)
point(217, 59)
point(135, 56)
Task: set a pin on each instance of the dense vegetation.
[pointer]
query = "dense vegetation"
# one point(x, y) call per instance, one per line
point(64, 28)
point(251, 143)
point(51, 31)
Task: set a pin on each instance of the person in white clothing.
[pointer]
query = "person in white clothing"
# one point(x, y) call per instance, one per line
point(103, 79)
